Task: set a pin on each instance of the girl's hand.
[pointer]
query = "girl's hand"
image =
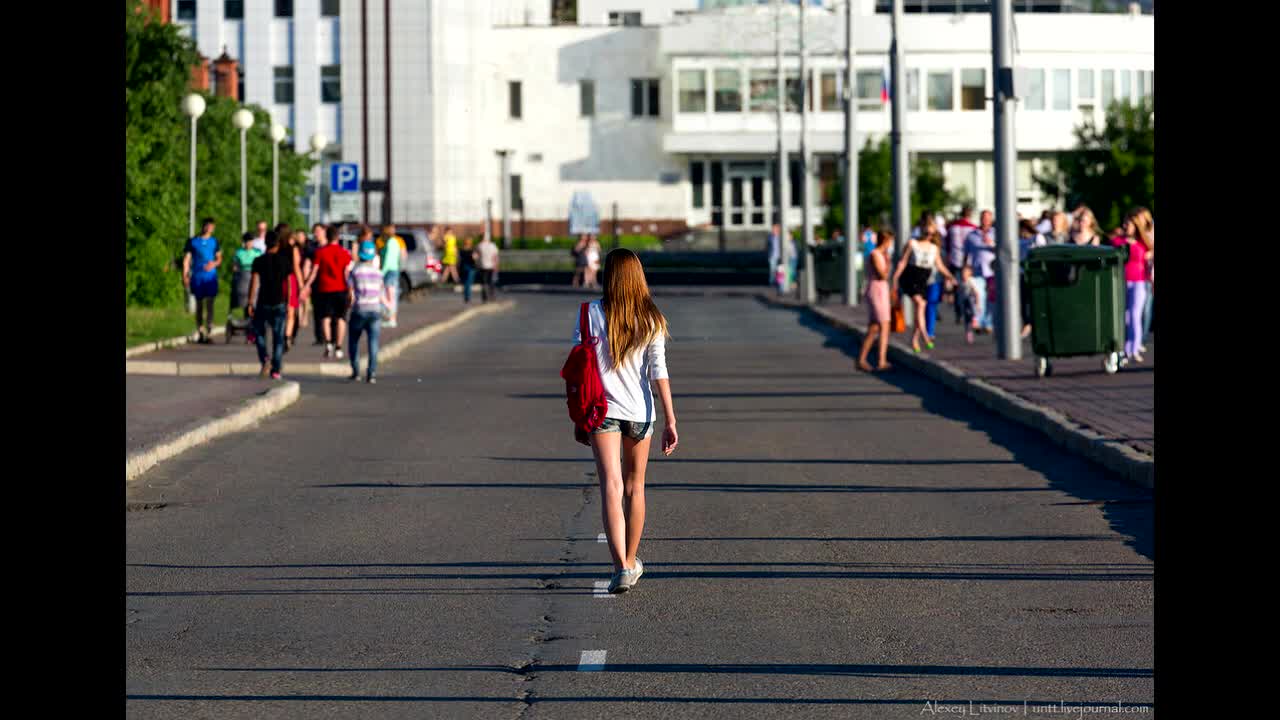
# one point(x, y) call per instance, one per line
point(670, 439)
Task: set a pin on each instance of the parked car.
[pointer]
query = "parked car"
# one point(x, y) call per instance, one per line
point(423, 267)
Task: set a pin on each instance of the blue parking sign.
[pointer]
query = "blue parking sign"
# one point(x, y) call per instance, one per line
point(344, 177)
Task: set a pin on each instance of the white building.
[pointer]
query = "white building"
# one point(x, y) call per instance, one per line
point(658, 105)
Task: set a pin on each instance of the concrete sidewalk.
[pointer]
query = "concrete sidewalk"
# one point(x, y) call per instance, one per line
point(432, 313)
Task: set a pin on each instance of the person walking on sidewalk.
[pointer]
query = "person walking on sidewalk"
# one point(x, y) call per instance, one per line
point(1028, 238)
point(368, 295)
point(631, 355)
point(877, 298)
point(593, 262)
point(579, 261)
point(242, 273)
point(287, 239)
point(268, 293)
point(775, 255)
point(957, 233)
point(467, 260)
point(1084, 229)
point(1134, 236)
point(1149, 225)
point(333, 262)
point(450, 259)
point(980, 253)
point(200, 261)
point(969, 293)
point(487, 259)
point(920, 259)
point(260, 237)
point(393, 256)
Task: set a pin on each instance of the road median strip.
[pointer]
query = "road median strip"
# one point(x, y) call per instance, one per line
point(273, 401)
point(1134, 466)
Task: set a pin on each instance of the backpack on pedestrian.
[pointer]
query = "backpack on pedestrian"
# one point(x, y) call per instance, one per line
point(584, 388)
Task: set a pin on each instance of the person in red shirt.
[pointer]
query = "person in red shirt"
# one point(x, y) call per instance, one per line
point(331, 266)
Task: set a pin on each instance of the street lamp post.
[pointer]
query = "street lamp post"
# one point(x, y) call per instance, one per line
point(318, 143)
point(277, 134)
point(193, 106)
point(243, 120)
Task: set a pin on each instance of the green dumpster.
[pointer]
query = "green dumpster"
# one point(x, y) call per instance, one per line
point(828, 269)
point(1076, 298)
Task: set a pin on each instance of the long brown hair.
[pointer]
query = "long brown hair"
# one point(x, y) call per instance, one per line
point(631, 318)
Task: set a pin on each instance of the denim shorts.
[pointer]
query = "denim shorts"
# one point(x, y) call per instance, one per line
point(632, 429)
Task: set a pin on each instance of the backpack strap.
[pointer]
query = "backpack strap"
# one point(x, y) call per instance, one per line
point(584, 324)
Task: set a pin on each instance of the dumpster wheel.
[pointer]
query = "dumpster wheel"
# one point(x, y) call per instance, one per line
point(1111, 363)
point(1044, 368)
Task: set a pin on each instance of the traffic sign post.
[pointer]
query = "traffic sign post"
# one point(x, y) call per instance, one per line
point(344, 177)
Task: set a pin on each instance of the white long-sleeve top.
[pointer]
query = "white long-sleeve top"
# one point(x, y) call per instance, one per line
point(628, 388)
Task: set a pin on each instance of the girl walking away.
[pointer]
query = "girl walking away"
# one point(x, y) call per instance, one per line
point(468, 262)
point(631, 355)
point(450, 259)
point(877, 298)
point(920, 259)
point(393, 255)
point(1133, 234)
point(369, 294)
point(593, 262)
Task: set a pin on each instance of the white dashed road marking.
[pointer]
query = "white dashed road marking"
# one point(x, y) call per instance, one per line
point(602, 589)
point(600, 538)
point(592, 661)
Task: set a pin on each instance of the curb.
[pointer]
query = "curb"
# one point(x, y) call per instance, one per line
point(340, 368)
point(1127, 462)
point(273, 401)
point(171, 342)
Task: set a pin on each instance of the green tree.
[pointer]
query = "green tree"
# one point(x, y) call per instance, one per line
point(875, 189)
point(1112, 168)
point(158, 61)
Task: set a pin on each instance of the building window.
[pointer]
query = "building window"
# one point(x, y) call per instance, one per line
point(973, 89)
point(1084, 91)
point(329, 8)
point(233, 9)
point(829, 91)
point(1126, 92)
point(793, 93)
point(941, 90)
point(331, 83)
point(793, 179)
point(284, 85)
point(630, 19)
point(1108, 87)
point(728, 91)
point(963, 178)
point(695, 179)
point(517, 194)
point(1026, 190)
point(1061, 89)
point(644, 97)
point(913, 89)
point(1144, 84)
point(1034, 93)
point(240, 86)
point(693, 91)
point(587, 97)
point(764, 91)
point(513, 100)
point(869, 83)
point(186, 9)
point(284, 8)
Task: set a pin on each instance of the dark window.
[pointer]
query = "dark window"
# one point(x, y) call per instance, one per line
point(587, 97)
point(329, 8)
point(186, 9)
point(240, 83)
point(517, 197)
point(642, 90)
point(695, 179)
point(624, 18)
point(513, 99)
point(794, 181)
point(284, 8)
point(284, 85)
point(331, 84)
point(233, 9)
point(717, 193)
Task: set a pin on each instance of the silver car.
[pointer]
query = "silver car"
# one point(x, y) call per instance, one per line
point(423, 267)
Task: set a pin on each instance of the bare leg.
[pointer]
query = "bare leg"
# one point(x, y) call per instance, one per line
point(342, 330)
point(884, 347)
point(290, 321)
point(635, 458)
point(607, 449)
point(873, 332)
point(920, 332)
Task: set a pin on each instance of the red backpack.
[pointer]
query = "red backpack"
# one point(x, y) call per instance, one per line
point(584, 389)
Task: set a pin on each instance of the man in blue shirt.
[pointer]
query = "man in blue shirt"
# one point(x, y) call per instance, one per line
point(980, 254)
point(775, 252)
point(200, 261)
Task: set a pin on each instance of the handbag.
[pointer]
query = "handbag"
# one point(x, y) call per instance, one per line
point(899, 322)
point(584, 388)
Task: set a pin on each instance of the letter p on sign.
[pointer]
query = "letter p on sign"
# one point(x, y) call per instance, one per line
point(344, 177)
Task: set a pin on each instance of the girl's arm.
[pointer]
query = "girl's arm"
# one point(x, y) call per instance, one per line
point(670, 438)
point(942, 268)
point(881, 265)
point(902, 262)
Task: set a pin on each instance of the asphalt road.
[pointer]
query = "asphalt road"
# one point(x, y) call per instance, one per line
point(823, 544)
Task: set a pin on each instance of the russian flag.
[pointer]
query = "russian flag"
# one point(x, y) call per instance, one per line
point(884, 86)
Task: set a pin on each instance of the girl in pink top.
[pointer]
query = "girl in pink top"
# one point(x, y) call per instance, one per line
point(1134, 236)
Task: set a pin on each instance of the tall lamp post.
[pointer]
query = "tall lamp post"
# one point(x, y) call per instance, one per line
point(243, 120)
point(318, 143)
point(277, 134)
point(193, 106)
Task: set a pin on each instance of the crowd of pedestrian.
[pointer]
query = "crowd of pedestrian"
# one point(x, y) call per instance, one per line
point(955, 262)
point(283, 280)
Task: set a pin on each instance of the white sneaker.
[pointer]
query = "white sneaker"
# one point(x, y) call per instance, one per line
point(339, 354)
point(328, 350)
point(628, 578)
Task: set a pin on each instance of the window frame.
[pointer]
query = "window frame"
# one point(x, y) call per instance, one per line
point(950, 74)
point(1025, 96)
point(1066, 103)
point(837, 87)
point(516, 191)
point(515, 100)
point(277, 78)
point(982, 90)
point(646, 94)
point(868, 103)
point(736, 89)
point(697, 181)
point(586, 97)
point(177, 10)
point(282, 6)
point(766, 102)
point(693, 95)
point(619, 18)
point(334, 5)
point(912, 76)
point(330, 74)
point(226, 9)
